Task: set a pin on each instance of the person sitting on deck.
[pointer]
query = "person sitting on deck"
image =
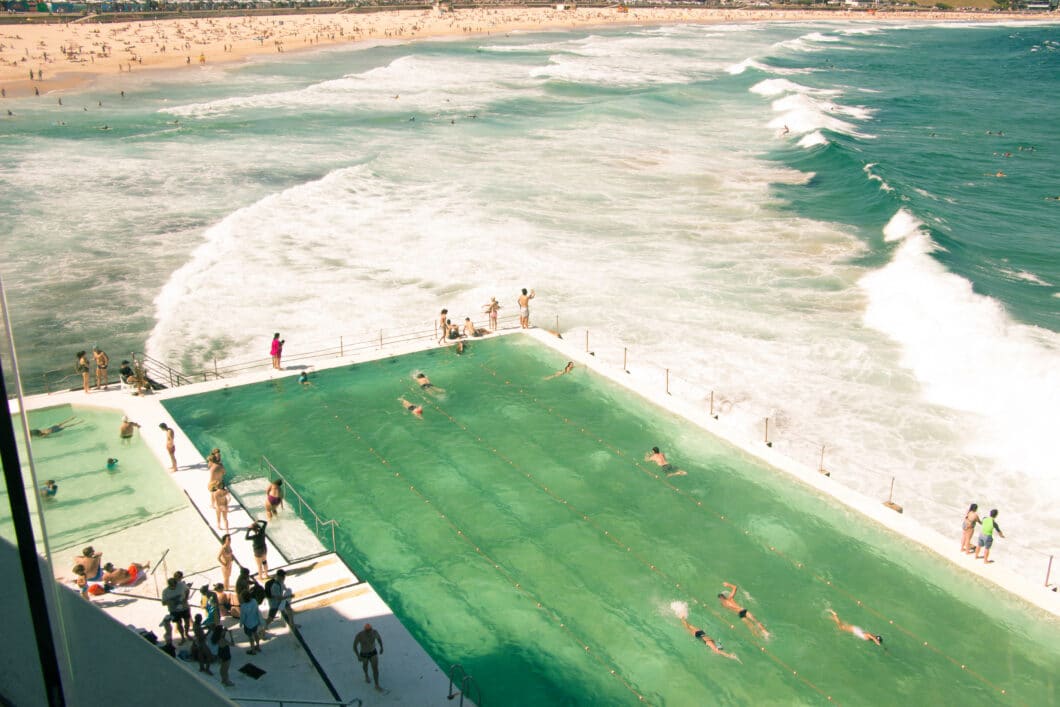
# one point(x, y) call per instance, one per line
point(470, 330)
point(122, 577)
point(90, 563)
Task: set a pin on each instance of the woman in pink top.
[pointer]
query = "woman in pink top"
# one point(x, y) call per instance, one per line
point(276, 350)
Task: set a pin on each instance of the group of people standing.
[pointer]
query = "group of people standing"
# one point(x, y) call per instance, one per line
point(447, 330)
point(83, 367)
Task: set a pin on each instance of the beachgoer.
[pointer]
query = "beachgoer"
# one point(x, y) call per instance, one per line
point(425, 383)
point(664, 466)
point(443, 325)
point(215, 468)
point(364, 648)
point(279, 598)
point(245, 582)
point(459, 347)
point(303, 378)
point(452, 330)
point(112, 463)
point(470, 330)
point(856, 630)
point(57, 427)
point(710, 642)
point(226, 557)
point(491, 309)
point(209, 602)
point(276, 350)
point(256, 536)
point(250, 620)
point(986, 535)
point(220, 644)
point(416, 410)
point(524, 308)
point(49, 489)
point(219, 498)
point(171, 445)
point(566, 369)
point(121, 576)
point(82, 368)
point(729, 602)
point(127, 373)
point(90, 561)
point(102, 361)
point(224, 601)
point(175, 598)
point(968, 527)
point(273, 498)
point(127, 429)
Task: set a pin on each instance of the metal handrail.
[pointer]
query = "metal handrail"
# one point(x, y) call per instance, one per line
point(466, 681)
point(302, 503)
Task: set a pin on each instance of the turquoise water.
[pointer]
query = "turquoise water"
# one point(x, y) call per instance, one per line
point(516, 529)
point(93, 500)
point(797, 217)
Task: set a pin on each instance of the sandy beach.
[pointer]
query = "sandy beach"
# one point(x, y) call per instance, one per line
point(57, 57)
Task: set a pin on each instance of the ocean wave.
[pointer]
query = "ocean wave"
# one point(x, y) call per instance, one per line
point(867, 169)
point(966, 351)
point(813, 140)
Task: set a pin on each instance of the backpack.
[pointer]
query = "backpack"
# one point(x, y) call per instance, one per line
point(269, 587)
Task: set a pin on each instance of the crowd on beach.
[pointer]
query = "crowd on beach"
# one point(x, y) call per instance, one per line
point(59, 56)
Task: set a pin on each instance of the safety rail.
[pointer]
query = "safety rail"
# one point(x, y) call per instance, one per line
point(456, 670)
point(765, 427)
point(266, 466)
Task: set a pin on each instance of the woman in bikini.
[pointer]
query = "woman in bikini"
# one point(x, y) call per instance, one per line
point(171, 446)
point(82, 368)
point(220, 504)
point(968, 527)
point(273, 498)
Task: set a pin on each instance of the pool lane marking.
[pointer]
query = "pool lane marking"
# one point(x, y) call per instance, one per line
point(549, 612)
point(795, 563)
point(722, 620)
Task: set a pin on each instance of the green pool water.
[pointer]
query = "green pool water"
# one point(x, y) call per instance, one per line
point(92, 501)
point(516, 530)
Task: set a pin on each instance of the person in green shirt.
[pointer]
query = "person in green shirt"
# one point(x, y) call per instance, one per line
point(986, 535)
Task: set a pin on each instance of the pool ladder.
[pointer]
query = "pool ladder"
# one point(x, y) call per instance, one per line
point(457, 672)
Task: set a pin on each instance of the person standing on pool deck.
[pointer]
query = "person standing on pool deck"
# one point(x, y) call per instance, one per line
point(659, 458)
point(82, 368)
point(256, 536)
point(276, 350)
point(729, 602)
point(171, 446)
point(711, 643)
point(856, 630)
point(491, 309)
point(443, 326)
point(273, 498)
point(986, 535)
point(968, 527)
point(102, 361)
point(524, 308)
point(364, 649)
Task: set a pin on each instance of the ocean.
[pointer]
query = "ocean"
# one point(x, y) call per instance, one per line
point(846, 227)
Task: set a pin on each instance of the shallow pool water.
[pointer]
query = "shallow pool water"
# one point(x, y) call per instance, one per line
point(517, 530)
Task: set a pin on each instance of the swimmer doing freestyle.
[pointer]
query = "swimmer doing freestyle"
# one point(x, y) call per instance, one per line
point(729, 602)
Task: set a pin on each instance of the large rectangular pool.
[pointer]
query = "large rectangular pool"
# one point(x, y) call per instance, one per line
point(517, 530)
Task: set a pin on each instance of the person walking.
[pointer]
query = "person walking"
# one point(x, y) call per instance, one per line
point(250, 620)
point(256, 536)
point(968, 527)
point(220, 643)
point(986, 535)
point(364, 648)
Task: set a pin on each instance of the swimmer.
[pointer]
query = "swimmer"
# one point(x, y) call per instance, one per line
point(49, 489)
point(303, 378)
point(425, 383)
point(416, 410)
point(856, 630)
point(729, 602)
point(126, 429)
point(112, 463)
point(566, 369)
point(459, 347)
point(711, 643)
point(659, 458)
point(58, 427)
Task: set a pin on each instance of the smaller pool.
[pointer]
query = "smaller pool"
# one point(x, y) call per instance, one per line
point(92, 500)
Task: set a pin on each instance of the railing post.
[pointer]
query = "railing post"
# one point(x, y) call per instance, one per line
point(557, 324)
point(768, 443)
point(380, 338)
point(712, 405)
point(1048, 570)
point(586, 340)
point(820, 464)
point(624, 354)
point(890, 499)
point(215, 367)
point(667, 381)
point(340, 347)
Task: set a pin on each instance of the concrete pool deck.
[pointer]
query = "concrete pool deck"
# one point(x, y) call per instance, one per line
point(326, 600)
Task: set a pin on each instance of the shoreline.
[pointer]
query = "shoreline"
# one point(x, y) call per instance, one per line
point(69, 56)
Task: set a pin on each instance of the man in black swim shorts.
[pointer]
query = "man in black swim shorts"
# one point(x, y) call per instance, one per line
point(364, 648)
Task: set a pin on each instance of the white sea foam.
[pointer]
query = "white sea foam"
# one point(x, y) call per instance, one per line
point(812, 140)
point(777, 87)
point(867, 169)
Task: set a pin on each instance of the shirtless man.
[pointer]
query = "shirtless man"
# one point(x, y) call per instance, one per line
point(102, 361)
point(425, 383)
point(566, 369)
point(126, 430)
point(856, 630)
point(171, 446)
point(364, 648)
point(524, 308)
point(120, 576)
point(89, 560)
point(58, 427)
point(729, 602)
point(470, 330)
point(659, 458)
point(711, 643)
point(416, 410)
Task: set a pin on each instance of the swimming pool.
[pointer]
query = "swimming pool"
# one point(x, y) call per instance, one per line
point(516, 529)
point(93, 500)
